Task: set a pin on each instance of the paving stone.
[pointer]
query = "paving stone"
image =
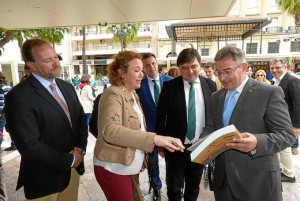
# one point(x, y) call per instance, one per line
point(89, 189)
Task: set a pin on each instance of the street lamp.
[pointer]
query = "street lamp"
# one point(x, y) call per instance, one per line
point(121, 31)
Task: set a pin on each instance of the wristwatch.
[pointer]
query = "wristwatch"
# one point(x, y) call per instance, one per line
point(252, 153)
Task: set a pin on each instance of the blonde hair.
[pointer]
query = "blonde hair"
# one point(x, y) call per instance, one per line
point(264, 73)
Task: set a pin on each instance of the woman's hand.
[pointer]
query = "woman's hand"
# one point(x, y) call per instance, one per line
point(169, 143)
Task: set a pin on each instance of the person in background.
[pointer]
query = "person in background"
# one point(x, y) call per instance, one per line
point(149, 95)
point(47, 123)
point(27, 72)
point(291, 88)
point(249, 71)
point(174, 71)
point(249, 170)
point(76, 81)
point(94, 85)
point(86, 96)
point(295, 146)
point(182, 113)
point(4, 89)
point(269, 76)
point(164, 70)
point(260, 76)
point(209, 69)
point(122, 138)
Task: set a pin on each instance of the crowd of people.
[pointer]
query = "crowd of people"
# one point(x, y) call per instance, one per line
point(145, 113)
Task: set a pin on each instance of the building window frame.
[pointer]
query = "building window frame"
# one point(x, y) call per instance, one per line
point(273, 47)
point(251, 48)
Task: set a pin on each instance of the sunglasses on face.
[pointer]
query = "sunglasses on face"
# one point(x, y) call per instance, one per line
point(260, 75)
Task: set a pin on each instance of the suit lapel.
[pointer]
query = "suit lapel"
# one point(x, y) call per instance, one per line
point(147, 92)
point(44, 94)
point(179, 88)
point(67, 97)
point(247, 91)
point(284, 80)
point(220, 102)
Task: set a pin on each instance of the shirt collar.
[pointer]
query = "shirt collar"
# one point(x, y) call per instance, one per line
point(43, 81)
point(156, 78)
point(242, 85)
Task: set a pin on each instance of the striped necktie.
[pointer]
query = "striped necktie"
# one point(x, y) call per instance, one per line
point(60, 101)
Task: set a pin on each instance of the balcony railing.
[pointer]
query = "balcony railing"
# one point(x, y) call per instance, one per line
point(274, 29)
point(112, 47)
point(293, 29)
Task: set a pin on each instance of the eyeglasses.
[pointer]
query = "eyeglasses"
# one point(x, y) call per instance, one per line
point(260, 75)
point(227, 72)
point(275, 68)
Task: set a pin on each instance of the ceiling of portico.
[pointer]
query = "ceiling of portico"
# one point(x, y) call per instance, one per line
point(20, 14)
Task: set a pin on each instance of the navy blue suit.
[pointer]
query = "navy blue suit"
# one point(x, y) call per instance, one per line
point(149, 109)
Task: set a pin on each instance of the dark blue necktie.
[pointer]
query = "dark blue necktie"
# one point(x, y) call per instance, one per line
point(156, 91)
point(228, 107)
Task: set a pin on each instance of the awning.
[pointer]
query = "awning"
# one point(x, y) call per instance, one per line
point(216, 29)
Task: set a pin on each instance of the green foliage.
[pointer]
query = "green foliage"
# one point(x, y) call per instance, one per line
point(119, 29)
point(98, 76)
point(52, 35)
point(292, 7)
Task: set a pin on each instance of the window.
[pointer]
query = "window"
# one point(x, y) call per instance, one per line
point(295, 46)
point(252, 4)
point(273, 3)
point(273, 47)
point(204, 52)
point(251, 48)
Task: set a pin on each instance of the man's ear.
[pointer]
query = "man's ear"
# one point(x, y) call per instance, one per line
point(31, 65)
point(244, 66)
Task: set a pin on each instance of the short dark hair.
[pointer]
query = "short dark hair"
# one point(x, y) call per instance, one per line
point(188, 55)
point(210, 65)
point(148, 55)
point(26, 49)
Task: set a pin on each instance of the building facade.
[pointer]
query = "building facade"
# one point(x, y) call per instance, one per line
point(280, 38)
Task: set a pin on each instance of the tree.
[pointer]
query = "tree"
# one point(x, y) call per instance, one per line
point(84, 66)
point(52, 35)
point(292, 7)
point(124, 33)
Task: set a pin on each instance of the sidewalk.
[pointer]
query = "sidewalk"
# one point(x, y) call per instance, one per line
point(89, 189)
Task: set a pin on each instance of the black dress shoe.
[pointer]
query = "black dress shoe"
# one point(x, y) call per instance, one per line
point(12, 148)
point(285, 178)
point(156, 195)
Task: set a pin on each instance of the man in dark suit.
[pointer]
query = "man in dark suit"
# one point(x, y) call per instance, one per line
point(291, 88)
point(249, 170)
point(147, 98)
point(174, 119)
point(48, 125)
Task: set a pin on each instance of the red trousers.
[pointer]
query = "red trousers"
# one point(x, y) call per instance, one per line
point(115, 187)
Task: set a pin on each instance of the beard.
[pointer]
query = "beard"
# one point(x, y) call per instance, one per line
point(50, 74)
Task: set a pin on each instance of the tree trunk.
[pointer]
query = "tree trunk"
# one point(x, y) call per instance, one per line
point(297, 19)
point(9, 36)
point(85, 69)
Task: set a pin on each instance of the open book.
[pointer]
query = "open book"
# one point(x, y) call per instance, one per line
point(213, 144)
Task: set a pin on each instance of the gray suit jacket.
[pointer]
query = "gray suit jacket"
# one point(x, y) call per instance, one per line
point(262, 111)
